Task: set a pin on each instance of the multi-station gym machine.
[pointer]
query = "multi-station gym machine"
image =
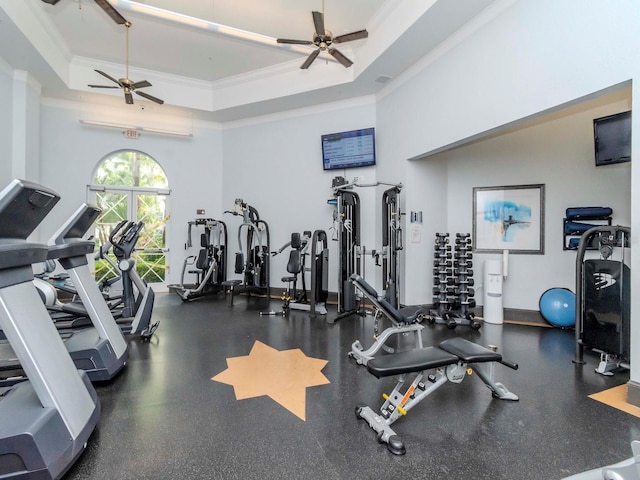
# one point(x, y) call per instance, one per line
point(352, 253)
point(209, 266)
point(252, 258)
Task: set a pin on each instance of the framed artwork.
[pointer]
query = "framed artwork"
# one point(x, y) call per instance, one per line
point(508, 218)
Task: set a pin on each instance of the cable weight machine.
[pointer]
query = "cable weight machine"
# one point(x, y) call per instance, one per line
point(392, 243)
point(209, 266)
point(603, 298)
point(315, 247)
point(352, 254)
point(252, 258)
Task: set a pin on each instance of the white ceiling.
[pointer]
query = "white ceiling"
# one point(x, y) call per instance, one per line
point(216, 76)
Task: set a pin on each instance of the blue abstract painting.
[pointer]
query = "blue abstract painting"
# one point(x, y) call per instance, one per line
point(508, 218)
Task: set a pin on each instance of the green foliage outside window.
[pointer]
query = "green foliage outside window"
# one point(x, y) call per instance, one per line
point(138, 171)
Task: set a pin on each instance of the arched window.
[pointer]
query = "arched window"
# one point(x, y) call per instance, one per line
point(129, 185)
point(132, 169)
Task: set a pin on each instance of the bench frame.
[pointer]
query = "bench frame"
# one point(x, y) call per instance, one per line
point(451, 361)
point(404, 321)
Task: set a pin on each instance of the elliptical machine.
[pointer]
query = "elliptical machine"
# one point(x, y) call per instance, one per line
point(252, 258)
point(134, 317)
point(210, 263)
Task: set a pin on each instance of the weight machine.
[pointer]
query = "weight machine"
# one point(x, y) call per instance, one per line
point(252, 261)
point(210, 263)
point(352, 253)
point(315, 246)
point(603, 298)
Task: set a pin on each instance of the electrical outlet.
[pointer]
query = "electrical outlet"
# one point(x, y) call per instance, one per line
point(359, 179)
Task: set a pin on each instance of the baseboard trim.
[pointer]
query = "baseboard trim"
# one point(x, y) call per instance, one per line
point(511, 315)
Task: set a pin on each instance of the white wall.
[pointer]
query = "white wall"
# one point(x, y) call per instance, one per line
point(6, 95)
point(275, 165)
point(532, 57)
point(518, 59)
point(558, 154)
point(522, 62)
point(71, 151)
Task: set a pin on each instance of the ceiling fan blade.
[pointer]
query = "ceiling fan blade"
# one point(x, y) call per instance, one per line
point(318, 22)
point(140, 84)
point(102, 86)
point(108, 76)
point(340, 57)
point(347, 37)
point(150, 97)
point(112, 12)
point(294, 42)
point(128, 98)
point(310, 59)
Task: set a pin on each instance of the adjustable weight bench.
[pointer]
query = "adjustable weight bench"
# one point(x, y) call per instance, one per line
point(450, 361)
point(405, 320)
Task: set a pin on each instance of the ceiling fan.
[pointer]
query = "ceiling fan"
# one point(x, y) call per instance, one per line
point(323, 39)
point(104, 5)
point(129, 86)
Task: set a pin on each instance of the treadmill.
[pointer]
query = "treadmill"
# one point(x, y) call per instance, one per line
point(47, 420)
point(101, 350)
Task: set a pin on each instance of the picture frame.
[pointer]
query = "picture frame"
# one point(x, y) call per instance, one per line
point(508, 218)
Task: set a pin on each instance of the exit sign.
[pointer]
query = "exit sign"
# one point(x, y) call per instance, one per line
point(131, 133)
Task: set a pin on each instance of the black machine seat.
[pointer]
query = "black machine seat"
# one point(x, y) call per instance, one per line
point(447, 353)
point(295, 262)
point(468, 351)
point(294, 265)
point(410, 361)
point(406, 315)
point(202, 262)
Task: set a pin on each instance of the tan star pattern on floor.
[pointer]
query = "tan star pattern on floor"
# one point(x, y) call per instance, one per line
point(281, 375)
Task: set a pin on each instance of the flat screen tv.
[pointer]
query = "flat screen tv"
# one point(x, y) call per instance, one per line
point(612, 136)
point(356, 148)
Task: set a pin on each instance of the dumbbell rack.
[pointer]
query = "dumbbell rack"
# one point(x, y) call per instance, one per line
point(453, 295)
point(441, 279)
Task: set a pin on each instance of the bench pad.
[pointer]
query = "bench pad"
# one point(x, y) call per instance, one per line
point(468, 351)
point(411, 361)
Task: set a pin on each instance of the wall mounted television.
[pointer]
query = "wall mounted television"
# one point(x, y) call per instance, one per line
point(356, 148)
point(612, 137)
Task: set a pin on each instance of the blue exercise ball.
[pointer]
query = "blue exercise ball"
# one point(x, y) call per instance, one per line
point(558, 307)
